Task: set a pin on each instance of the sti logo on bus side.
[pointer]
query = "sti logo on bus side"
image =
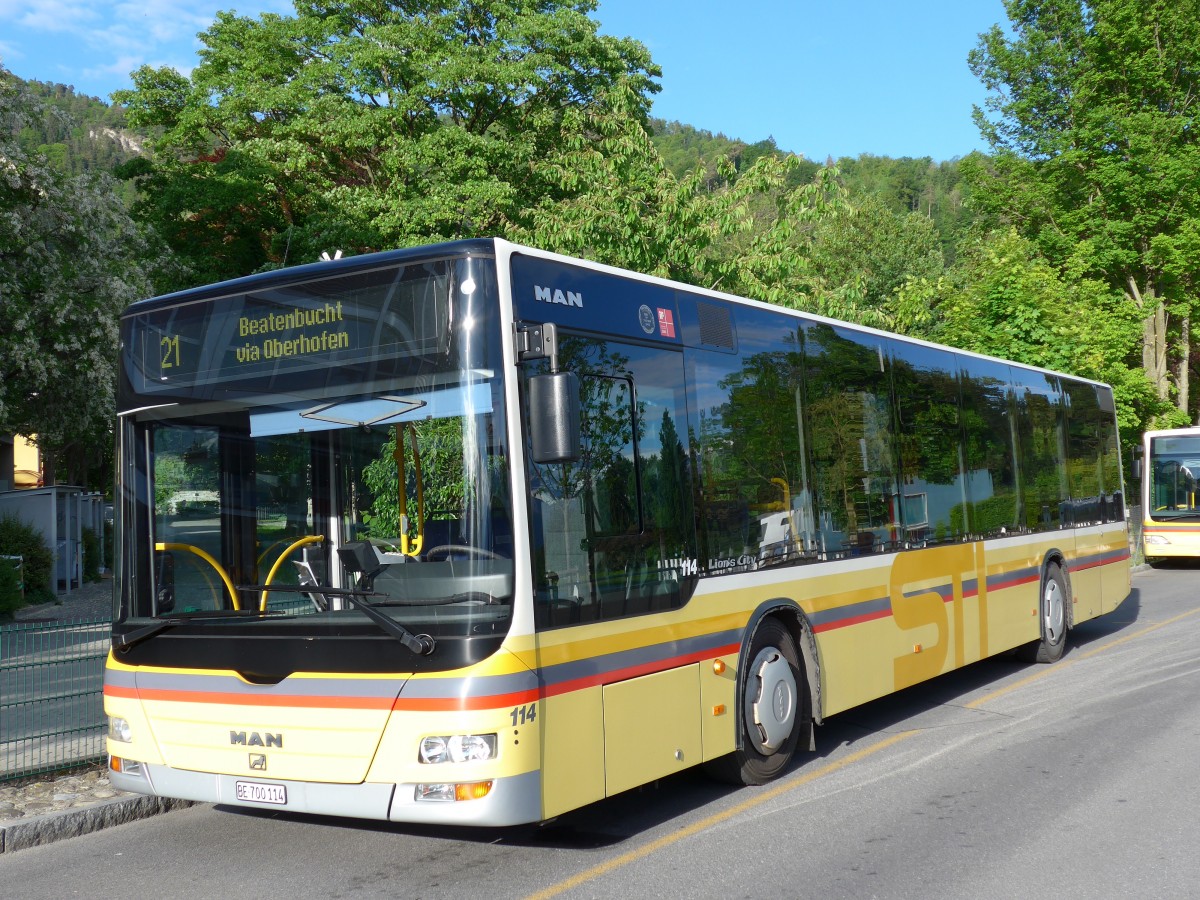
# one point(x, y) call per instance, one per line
point(554, 295)
point(254, 739)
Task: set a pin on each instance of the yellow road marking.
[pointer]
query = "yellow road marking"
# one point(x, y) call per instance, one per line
point(1008, 689)
point(1138, 634)
point(762, 797)
point(759, 798)
point(1088, 654)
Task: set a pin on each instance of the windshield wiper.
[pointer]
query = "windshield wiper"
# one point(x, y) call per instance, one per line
point(420, 644)
point(125, 641)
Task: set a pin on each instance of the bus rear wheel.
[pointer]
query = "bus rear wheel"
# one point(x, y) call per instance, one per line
point(1053, 614)
point(772, 710)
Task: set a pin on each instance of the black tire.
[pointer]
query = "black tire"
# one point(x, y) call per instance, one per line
point(1053, 613)
point(770, 734)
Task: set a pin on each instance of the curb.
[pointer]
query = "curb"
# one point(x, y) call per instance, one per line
point(57, 826)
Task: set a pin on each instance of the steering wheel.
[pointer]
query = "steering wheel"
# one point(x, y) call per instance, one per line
point(445, 550)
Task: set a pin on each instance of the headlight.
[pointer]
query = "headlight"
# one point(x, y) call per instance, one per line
point(119, 730)
point(457, 748)
point(1156, 539)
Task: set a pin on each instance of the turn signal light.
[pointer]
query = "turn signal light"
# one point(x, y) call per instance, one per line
point(476, 791)
point(125, 766)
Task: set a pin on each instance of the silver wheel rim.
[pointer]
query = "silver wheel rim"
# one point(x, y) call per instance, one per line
point(1054, 604)
point(770, 701)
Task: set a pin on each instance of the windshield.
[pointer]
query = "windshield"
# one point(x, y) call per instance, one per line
point(1174, 472)
point(315, 514)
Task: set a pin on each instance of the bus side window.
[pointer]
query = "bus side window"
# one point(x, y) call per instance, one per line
point(754, 479)
point(612, 530)
point(849, 394)
point(1040, 425)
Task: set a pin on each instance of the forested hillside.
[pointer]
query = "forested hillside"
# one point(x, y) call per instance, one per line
point(906, 185)
point(77, 133)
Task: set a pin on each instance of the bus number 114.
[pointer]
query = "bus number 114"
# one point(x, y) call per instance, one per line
point(522, 714)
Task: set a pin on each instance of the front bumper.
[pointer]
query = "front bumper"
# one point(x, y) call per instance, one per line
point(515, 800)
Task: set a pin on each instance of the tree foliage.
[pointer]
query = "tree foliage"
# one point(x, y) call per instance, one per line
point(1092, 120)
point(614, 200)
point(362, 125)
point(78, 134)
point(1004, 299)
point(867, 252)
point(70, 260)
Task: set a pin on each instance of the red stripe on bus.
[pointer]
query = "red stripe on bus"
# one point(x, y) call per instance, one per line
point(601, 678)
point(852, 620)
point(464, 704)
point(1013, 582)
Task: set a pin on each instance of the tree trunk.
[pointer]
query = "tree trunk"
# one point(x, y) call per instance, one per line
point(1154, 339)
point(49, 466)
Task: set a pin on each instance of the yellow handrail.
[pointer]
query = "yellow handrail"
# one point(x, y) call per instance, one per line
point(402, 476)
point(307, 539)
point(208, 559)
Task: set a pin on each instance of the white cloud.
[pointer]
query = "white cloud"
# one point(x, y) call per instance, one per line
point(8, 52)
point(111, 39)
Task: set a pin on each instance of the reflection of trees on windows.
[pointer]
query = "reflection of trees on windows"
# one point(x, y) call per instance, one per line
point(1041, 450)
point(444, 473)
point(461, 480)
point(852, 439)
point(611, 529)
point(752, 459)
point(606, 421)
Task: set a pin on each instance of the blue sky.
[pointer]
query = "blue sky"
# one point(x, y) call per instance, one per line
point(823, 77)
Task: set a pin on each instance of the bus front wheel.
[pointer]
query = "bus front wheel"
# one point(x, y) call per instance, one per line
point(772, 710)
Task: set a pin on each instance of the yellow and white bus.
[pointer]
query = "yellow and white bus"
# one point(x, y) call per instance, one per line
point(478, 534)
point(1170, 477)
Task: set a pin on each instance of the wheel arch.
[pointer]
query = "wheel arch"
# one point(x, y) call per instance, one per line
point(1056, 556)
point(792, 617)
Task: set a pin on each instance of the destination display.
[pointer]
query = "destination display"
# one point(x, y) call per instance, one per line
point(352, 319)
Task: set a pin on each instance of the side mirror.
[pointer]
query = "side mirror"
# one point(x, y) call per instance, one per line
point(1137, 463)
point(554, 417)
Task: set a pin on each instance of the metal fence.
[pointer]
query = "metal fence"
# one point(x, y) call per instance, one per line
point(51, 703)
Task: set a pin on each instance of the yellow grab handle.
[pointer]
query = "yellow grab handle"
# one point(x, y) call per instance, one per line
point(208, 559)
point(307, 539)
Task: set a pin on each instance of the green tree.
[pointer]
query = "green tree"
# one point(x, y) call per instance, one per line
point(1005, 300)
point(363, 125)
point(917, 186)
point(613, 199)
point(1092, 120)
point(70, 260)
point(869, 251)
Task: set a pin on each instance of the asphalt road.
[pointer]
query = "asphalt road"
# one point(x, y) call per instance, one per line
point(1080, 779)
